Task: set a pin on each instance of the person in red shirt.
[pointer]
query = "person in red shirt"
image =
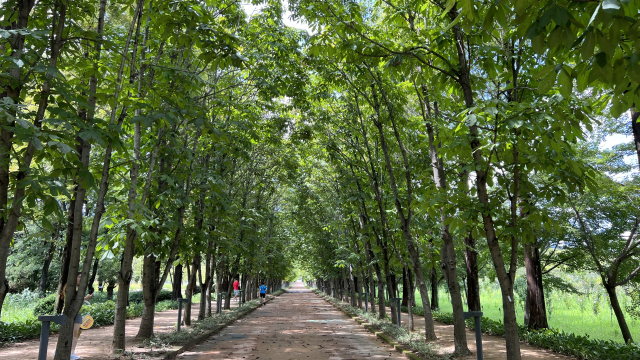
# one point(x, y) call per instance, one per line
point(236, 289)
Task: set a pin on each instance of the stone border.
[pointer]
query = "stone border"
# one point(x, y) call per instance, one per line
point(200, 338)
point(384, 337)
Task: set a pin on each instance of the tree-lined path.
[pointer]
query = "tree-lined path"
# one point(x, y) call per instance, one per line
point(296, 325)
point(472, 155)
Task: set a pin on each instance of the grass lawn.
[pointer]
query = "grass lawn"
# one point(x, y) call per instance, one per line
point(581, 314)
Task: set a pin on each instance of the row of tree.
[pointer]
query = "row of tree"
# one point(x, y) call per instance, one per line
point(456, 134)
point(144, 128)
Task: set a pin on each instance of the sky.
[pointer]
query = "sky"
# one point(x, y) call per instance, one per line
point(286, 18)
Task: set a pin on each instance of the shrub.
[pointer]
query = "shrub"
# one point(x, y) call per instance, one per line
point(102, 313)
point(136, 297)
point(16, 331)
point(45, 305)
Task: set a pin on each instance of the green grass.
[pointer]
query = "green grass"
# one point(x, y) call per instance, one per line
point(588, 313)
point(19, 307)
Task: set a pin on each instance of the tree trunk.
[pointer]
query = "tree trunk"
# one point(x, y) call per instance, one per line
point(176, 286)
point(409, 296)
point(126, 271)
point(11, 95)
point(535, 307)
point(635, 128)
point(430, 333)
point(345, 286)
point(228, 290)
point(473, 283)
point(622, 322)
point(449, 261)
point(352, 287)
point(110, 287)
point(191, 285)
point(435, 300)
point(211, 261)
point(145, 330)
point(44, 274)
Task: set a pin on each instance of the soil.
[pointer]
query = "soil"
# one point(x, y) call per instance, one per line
point(296, 325)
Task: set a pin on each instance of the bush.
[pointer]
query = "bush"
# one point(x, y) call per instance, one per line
point(16, 331)
point(136, 297)
point(581, 347)
point(45, 305)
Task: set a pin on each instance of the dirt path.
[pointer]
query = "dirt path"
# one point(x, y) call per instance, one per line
point(95, 343)
point(296, 325)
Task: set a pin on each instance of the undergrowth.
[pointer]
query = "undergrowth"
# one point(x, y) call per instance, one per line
point(102, 313)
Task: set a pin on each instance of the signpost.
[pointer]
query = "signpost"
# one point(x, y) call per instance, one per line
point(44, 333)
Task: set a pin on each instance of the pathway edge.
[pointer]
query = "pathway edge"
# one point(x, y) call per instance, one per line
point(198, 339)
point(384, 337)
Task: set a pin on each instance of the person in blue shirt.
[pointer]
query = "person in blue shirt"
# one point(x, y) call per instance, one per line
point(263, 293)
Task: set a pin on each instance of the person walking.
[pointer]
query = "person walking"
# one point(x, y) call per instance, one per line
point(236, 289)
point(263, 293)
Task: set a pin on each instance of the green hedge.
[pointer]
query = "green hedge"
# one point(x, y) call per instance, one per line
point(102, 313)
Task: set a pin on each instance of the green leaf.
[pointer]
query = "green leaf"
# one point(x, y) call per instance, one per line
point(47, 224)
point(617, 107)
point(567, 37)
point(588, 45)
point(538, 44)
point(566, 84)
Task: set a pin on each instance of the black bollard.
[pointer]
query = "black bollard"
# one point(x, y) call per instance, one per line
point(220, 297)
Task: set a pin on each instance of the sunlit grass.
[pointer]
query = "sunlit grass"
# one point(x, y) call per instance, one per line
point(588, 313)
